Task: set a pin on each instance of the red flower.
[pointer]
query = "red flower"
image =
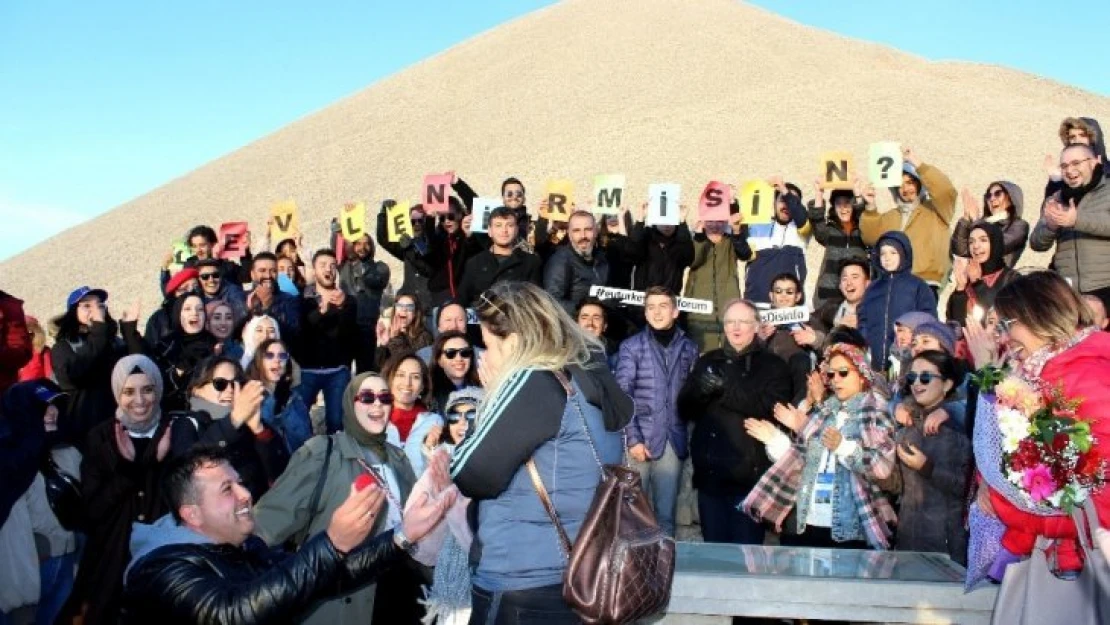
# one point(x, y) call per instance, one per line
point(1089, 466)
point(1059, 443)
point(1027, 455)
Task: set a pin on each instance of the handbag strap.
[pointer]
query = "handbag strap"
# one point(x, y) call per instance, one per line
point(318, 491)
point(545, 499)
point(1085, 527)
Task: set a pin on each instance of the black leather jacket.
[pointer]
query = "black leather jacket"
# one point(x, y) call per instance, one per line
point(206, 583)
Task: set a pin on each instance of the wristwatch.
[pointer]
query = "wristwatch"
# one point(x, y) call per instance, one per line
point(403, 542)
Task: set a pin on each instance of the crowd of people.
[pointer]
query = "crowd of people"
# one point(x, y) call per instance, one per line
point(289, 438)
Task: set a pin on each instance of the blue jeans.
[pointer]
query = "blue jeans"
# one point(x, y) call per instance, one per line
point(57, 581)
point(521, 607)
point(661, 478)
point(332, 384)
point(721, 522)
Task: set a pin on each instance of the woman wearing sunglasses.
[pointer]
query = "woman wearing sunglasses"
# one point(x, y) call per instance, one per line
point(225, 410)
point(934, 468)
point(282, 407)
point(318, 480)
point(453, 366)
point(825, 471)
point(1002, 205)
point(433, 432)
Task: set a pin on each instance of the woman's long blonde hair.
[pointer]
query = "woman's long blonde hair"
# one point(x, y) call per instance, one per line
point(547, 338)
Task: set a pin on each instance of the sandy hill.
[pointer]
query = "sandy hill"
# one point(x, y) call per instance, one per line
point(660, 90)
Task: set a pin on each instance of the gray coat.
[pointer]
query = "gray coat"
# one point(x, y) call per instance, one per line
point(931, 511)
point(283, 512)
point(1083, 251)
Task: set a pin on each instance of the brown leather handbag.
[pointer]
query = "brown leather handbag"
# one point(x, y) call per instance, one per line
point(621, 567)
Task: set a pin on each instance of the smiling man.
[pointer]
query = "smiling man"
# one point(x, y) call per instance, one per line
point(1077, 220)
point(576, 267)
point(204, 564)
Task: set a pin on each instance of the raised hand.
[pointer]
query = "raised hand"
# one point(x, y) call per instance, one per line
point(354, 518)
point(972, 209)
point(790, 416)
point(132, 313)
point(425, 513)
point(981, 345)
point(815, 388)
point(912, 457)
point(761, 430)
point(246, 403)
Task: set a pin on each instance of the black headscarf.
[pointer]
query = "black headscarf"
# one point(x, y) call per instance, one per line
point(995, 262)
point(188, 350)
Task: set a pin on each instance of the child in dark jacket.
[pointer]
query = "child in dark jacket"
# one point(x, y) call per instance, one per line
point(896, 292)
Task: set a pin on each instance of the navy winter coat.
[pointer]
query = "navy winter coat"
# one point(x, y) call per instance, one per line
point(653, 375)
point(890, 296)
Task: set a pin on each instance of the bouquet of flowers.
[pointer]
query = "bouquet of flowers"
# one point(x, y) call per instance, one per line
point(1047, 451)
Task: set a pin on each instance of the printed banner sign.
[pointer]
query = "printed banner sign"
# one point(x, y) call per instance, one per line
point(784, 316)
point(352, 221)
point(397, 221)
point(636, 298)
point(560, 197)
point(663, 205)
point(285, 221)
point(483, 206)
point(233, 240)
point(884, 164)
point(757, 202)
point(608, 194)
point(437, 188)
point(714, 202)
point(837, 171)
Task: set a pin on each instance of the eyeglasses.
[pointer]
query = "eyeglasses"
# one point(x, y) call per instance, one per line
point(925, 377)
point(221, 384)
point(1074, 164)
point(455, 352)
point(1004, 325)
point(509, 195)
point(843, 373)
point(385, 398)
point(282, 356)
point(449, 217)
point(408, 307)
point(784, 291)
point(996, 193)
point(453, 416)
point(209, 276)
point(732, 323)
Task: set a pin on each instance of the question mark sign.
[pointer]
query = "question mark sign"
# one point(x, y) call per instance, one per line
point(886, 163)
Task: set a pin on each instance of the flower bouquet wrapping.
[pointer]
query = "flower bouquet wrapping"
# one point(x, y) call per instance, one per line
point(1046, 451)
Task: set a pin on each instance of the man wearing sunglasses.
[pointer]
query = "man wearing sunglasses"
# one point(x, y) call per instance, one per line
point(1077, 220)
point(213, 286)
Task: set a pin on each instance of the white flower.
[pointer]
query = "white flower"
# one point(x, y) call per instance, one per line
point(1014, 427)
point(1014, 477)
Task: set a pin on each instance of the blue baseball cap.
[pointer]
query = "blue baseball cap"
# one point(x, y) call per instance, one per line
point(81, 292)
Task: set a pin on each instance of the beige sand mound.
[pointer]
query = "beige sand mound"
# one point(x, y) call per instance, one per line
point(660, 90)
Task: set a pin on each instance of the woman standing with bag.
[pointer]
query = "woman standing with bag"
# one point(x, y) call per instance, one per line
point(533, 349)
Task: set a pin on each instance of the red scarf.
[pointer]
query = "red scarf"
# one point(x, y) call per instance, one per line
point(405, 418)
point(989, 279)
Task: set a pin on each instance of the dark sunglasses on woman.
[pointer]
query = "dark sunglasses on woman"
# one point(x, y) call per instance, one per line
point(221, 384)
point(925, 377)
point(454, 416)
point(385, 398)
point(843, 373)
point(455, 352)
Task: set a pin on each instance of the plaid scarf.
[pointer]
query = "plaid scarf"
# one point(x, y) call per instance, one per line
point(776, 493)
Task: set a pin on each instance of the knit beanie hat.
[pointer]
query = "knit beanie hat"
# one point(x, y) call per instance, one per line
point(941, 332)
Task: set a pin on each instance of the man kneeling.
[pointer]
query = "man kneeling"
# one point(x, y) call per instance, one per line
point(206, 566)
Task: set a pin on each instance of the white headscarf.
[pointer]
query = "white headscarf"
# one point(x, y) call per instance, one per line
point(250, 344)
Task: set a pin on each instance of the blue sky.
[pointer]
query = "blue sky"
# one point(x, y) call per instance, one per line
point(105, 101)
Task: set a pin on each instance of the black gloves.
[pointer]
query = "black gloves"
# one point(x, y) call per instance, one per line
point(708, 383)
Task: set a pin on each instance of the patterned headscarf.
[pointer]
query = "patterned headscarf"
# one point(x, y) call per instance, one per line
point(858, 358)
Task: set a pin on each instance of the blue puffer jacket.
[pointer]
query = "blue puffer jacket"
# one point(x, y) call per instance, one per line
point(890, 296)
point(653, 375)
point(293, 422)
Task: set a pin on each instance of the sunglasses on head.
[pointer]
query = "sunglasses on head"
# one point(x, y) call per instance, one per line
point(221, 384)
point(385, 398)
point(832, 373)
point(454, 352)
point(282, 356)
point(454, 416)
point(925, 377)
point(209, 276)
